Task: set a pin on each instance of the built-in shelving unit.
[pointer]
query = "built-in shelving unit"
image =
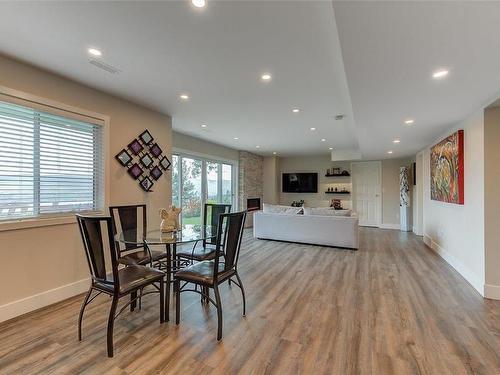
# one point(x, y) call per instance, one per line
point(340, 180)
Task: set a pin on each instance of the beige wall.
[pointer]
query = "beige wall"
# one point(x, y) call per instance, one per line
point(492, 201)
point(319, 164)
point(199, 146)
point(49, 260)
point(390, 189)
point(270, 180)
point(456, 232)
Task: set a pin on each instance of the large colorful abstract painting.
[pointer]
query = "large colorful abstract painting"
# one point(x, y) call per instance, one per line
point(447, 169)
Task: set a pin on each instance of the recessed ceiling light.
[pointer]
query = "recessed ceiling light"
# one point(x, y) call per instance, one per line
point(441, 73)
point(266, 77)
point(396, 141)
point(389, 152)
point(199, 3)
point(235, 138)
point(409, 121)
point(313, 129)
point(257, 146)
point(203, 125)
point(330, 148)
point(323, 140)
point(295, 110)
point(274, 152)
point(94, 52)
point(184, 96)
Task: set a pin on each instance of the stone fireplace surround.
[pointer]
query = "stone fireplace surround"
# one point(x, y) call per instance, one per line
point(250, 184)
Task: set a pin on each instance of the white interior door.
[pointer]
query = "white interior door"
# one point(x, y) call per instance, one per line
point(367, 192)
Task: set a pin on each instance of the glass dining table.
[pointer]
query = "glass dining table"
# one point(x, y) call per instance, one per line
point(189, 233)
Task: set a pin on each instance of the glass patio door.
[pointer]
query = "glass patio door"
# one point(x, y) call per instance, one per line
point(191, 192)
point(197, 181)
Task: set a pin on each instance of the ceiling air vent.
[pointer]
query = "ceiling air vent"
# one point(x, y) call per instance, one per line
point(104, 66)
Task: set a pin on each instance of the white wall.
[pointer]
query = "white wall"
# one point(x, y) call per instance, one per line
point(492, 201)
point(456, 232)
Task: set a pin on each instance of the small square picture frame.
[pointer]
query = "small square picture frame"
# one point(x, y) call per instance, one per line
point(155, 150)
point(156, 173)
point(165, 163)
point(146, 184)
point(146, 160)
point(135, 147)
point(123, 157)
point(135, 171)
point(146, 137)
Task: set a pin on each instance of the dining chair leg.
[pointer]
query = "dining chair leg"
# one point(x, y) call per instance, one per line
point(111, 322)
point(242, 293)
point(82, 310)
point(162, 302)
point(177, 291)
point(133, 301)
point(229, 282)
point(219, 312)
point(169, 279)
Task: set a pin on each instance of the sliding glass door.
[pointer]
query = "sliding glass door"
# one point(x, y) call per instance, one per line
point(196, 181)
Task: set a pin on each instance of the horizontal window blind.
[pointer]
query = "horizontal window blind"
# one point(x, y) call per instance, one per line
point(49, 164)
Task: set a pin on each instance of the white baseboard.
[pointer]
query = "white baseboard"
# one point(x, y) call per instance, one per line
point(464, 271)
point(390, 226)
point(492, 291)
point(37, 301)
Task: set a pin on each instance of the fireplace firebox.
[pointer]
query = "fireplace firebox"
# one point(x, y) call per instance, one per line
point(253, 204)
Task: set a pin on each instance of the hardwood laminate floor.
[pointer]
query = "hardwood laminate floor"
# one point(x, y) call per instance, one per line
point(393, 307)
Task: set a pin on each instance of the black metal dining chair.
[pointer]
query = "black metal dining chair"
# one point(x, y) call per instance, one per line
point(130, 220)
point(211, 213)
point(97, 235)
point(209, 274)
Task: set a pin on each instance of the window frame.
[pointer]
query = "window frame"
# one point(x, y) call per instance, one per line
point(61, 109)
point(209, 159)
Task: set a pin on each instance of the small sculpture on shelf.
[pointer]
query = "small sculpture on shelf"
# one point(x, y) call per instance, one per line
point(298, 203)
point(170, 219)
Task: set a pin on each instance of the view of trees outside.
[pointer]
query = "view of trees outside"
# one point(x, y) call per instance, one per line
point(191, 191)
point(190, 198)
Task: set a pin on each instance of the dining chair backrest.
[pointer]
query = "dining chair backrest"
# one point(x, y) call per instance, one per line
point(94, 240)
point(129, 220)
point(229, 235)
point(211, 214)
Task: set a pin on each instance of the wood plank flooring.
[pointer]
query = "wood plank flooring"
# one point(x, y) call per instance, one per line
point(393, 307)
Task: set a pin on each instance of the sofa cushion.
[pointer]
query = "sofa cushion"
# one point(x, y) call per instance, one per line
point(283, 210)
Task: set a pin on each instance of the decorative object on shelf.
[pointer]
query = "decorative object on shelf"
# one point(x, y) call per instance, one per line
point(146, 183)
point(447, 169)
point(124, 157)
point(139, 158)
point(135, 171)
point(135, 147)
point(170, 219)
point(298, 203)
point(337, 172)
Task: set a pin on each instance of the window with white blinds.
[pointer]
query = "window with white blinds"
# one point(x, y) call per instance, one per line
point(49, 164)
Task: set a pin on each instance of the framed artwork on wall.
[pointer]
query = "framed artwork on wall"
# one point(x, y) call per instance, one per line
point(447, 169)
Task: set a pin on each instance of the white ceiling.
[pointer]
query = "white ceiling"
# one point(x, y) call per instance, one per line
point(217, 55)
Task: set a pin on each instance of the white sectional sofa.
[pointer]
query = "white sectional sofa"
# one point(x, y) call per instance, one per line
point(310, 226)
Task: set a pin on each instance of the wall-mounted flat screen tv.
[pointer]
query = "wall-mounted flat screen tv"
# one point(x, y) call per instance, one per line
point(300, 183)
